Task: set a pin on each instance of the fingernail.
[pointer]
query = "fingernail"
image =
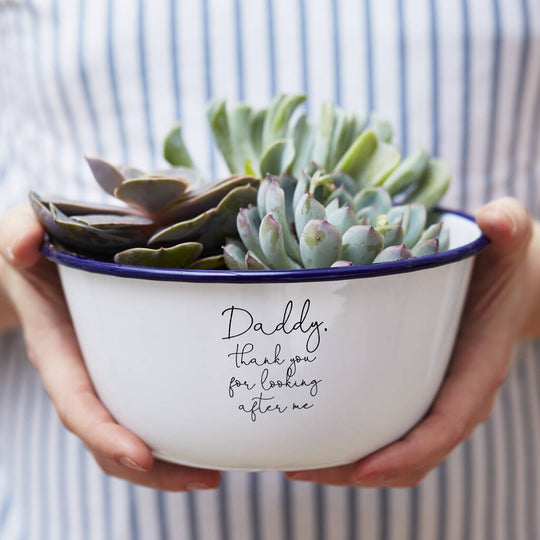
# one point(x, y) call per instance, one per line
point(10, 254)
point(194, 486)
point(130, 464)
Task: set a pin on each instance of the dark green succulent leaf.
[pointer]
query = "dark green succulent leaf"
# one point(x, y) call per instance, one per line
point(320, 244)
point(197, 202)
point(175, 151)
point(394, 253)
point(408, 173)
point(234, 254)
point(321, 186)
point(254, 263)
point(107, 175)
point(379, 166)
point(79, 236)
point(70, 208)
point(277, 158)
point(213, 262)
point(152, 195)
point(429, 247)
point(110, 221)
point(361, 244)
point(179, 256)
point(223, 222)
point(432, 186)
point(182, 231)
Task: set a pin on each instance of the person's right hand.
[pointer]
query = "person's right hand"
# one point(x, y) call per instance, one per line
point(33, 285)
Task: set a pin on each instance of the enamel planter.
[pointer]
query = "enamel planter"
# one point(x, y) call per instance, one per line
point(270, 370)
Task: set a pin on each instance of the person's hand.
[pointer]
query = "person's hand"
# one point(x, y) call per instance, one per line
point(495, 316)
point(33, 285)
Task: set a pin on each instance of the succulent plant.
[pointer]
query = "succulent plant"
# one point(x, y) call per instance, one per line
point(326, 199)
point(322, 220)
point(173, 219)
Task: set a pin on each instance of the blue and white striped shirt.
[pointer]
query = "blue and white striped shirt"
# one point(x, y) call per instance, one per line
point(110, 77)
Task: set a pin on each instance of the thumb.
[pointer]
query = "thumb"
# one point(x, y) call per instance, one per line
point(21, 236)
point(509, 227)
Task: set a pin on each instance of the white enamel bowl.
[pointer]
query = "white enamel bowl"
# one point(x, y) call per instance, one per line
point(279, 370)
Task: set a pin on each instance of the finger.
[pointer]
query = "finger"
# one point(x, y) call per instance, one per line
point(507, 224)
point(163, 476)
point(21, 236)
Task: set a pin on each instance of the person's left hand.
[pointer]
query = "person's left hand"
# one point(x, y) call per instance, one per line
point(494, 318)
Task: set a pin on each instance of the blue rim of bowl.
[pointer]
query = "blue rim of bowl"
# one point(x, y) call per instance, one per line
point(66, 258)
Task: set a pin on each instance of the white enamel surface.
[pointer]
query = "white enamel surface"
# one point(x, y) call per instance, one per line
point(159, 358)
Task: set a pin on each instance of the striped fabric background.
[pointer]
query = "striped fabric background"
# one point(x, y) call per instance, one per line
point(110, 77)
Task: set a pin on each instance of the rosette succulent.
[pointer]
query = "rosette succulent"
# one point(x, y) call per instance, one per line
point(322, 220)
point(173, 219)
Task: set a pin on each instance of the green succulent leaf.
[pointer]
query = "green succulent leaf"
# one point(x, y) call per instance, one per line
point(408, 173)
point(429, 247)
point(240, 129)
point(307, 209)
point(254, 263)
point(320, 244)
point(381, 127)
point(369, 213)
point(219, 123)
point(271, 241)
point(323, 137)
point(355, 159)
point(213, 262)
point(277, 157)
point(341, 138)
point(343, 219)
point(256, 130)
point(179, 256)
point(373, 196)
point(248, 223)
point(303, 138)
point(432, 186)
point(393, 234)
point(361, 244)
point(393, 253)
point(234, 254)
point(175, 151)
